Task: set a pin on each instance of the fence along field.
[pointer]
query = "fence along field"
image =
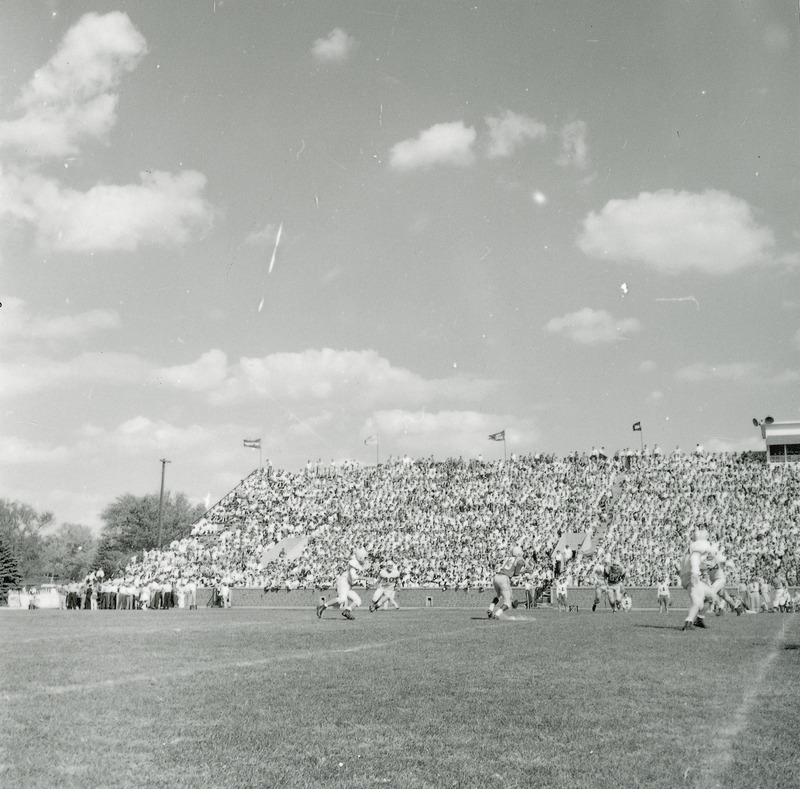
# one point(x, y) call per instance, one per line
point(414, 698)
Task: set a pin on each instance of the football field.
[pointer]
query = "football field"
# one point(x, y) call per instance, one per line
point(407, 699)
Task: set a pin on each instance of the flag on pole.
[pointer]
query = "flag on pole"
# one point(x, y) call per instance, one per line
point(252, 443)
point(501, 436)
point(371, 440)
point(637, 427)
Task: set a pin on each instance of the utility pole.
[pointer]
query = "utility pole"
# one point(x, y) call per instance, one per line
point(161, 499)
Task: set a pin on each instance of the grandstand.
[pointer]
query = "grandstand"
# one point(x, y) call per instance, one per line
point(447, 523)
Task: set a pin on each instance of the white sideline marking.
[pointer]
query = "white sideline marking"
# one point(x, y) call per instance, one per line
point(722, 754)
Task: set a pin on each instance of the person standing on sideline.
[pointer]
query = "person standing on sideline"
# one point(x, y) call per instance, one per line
point(511, 566)
point(663, 596)
point(561, 593)
point(346, 598)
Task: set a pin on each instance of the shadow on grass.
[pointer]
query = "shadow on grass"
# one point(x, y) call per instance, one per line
point(791, 646)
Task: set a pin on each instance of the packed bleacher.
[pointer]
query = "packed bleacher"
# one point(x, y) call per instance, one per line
point(447, 523)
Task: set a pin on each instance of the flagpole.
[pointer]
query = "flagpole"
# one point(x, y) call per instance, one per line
point(505, 456)
point(377, 452)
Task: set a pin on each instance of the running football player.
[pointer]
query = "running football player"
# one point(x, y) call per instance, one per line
point(386, 590)
point(347, 599)
point(511, 566)
point(701, 594)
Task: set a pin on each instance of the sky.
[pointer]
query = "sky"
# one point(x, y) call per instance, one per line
point(314, 224)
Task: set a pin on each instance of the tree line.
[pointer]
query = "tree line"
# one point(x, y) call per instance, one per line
point(34, 551)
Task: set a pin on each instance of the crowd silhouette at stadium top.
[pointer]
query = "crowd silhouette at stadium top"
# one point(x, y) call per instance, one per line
point(447, 523)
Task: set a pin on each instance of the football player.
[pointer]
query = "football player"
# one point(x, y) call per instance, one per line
point(386, 590)
point(716, 563)
point(614, 574)
point(600, 589)
point(701, 594)
point(346, 598)
point(511, 566)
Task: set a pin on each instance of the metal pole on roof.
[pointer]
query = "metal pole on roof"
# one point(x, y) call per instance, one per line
point(161, 500)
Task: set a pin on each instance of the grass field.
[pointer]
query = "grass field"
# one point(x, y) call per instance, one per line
point(408, 699)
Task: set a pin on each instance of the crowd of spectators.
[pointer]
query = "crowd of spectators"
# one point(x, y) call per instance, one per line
point(447, 523)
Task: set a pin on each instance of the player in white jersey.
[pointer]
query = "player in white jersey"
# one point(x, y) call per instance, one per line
point(386, 591)
point(663, 596)
point(693, 565)
point(561, 593)
point(600, 588)
point(346, 598)
point(511, 566)
point(717, 562)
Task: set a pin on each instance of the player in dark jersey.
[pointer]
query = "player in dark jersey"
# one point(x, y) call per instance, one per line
point(614, 575)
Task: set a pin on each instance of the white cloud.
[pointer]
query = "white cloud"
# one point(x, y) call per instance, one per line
point(647, 366)
point(18, 452)
point(334, 48)
point(34, 373)
point(442, 143)
point(208, 372)
point(319, 375)
point(574, 151)
point(162, 209)
point(68, 101)
point(19, 326)
point(509, 130)
point(673, 232)
point(592, 327)
point(736, 371)
point(71, 97)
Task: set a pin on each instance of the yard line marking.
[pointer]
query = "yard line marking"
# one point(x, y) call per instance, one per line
point(721, 756)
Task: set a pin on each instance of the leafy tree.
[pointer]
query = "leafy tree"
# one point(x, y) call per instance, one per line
point(21, 529)
point(131, 526)
point(69, 552)
point(10, 576)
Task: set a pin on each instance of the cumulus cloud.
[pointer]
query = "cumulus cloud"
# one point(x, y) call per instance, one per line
point(72, 96)
point(20, 326)
point(334, 48)
point(442, 143)
point(574, 151)
point(510, 130)
point(162, 209)
point(673, 232)
point(327, 373)
point(592, 327)
point(208, 372)
point(71, 100)
point(19, 452)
